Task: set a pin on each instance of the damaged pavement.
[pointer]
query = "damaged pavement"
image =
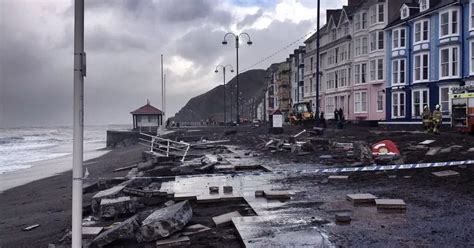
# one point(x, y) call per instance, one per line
point(247, 188)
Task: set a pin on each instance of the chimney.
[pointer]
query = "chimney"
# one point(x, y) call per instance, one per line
point(354, 3)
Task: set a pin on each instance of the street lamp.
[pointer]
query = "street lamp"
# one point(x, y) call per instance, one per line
point(223, 73)
point(317, 65)
point(249, 42)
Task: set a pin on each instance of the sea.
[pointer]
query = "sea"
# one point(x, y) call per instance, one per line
point(21, 148)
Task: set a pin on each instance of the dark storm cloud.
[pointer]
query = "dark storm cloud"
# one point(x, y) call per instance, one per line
point(102, 40)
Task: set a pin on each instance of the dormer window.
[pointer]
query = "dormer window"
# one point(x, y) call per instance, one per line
point(405, 13)
point(424, 5)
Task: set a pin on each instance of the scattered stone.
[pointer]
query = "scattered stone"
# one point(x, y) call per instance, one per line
point(338, 177)
point(143, 166)
point(471, 149)
point(169, 203)
point(343, 146)
point(446, 173)
point(110, 208)
point(225, 219)
point(230, 132)
point(426, 142)
point(361, 198)
point(307, 147)
point(91, 231)
point(445, 150)
point(269, 194)
point(392, 176)
point(227, 189)
point(28, 228)
point(174, 242)
point(214, 189)
point(325, 157)
point(164, 222)
point(433, 151)
point(343, 217)
point(124, 230)
point(113, 192)
point(390, 204)
point(259, 193)
point(197, 228)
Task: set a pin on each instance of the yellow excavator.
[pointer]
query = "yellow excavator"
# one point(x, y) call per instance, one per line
point(301, 113)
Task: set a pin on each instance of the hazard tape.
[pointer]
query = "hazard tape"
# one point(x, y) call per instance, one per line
point(389, 167)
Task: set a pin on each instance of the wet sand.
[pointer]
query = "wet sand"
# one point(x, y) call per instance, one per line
point(47, 201)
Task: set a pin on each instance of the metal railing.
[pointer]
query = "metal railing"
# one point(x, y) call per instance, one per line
point(162, 147)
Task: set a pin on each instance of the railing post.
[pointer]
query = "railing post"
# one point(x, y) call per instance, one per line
point(151, 145)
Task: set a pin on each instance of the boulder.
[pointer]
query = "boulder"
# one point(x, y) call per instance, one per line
point(164, 222)
point(124, 230)
point(110, 208)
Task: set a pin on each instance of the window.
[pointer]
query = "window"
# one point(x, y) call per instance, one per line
point(360, 102)
point(449, 23)
point(364, 20)
point(398, 40)
point(472, 57)
point(330, 104)
point(344, 54)
point(376, 41)
point(376, 69)
point(398, 71)
point(422, 31)
point(420, 99)
point(364, 45)
point(311, 63)
point(381, 13)
point(373, 15)
point(357, 22)
point(360, 73)
point(380, 95)
point(424, 5)
point(405, 12)
point(421, 67)
point(357, 46)
point(398, 104)
point(444, 101)
point(331, 79)
point(357, 74)
point(333, 34)
point(449, 62)
point(346, 28)
point(471, 13)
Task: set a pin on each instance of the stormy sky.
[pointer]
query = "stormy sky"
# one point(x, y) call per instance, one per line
point(123, 42)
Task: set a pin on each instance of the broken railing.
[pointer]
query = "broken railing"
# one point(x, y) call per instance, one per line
point(162, 147)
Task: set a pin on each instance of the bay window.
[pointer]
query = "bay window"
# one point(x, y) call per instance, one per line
point(422, 31)
point(398, 40)
point(376, 70)
point(419, 100)
point(421, 67)
point(449, 23)
point(398, 71)
point(380, 95)
point(449, 62)
point(398, 104)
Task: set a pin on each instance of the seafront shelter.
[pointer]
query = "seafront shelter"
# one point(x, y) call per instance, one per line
point(147, 118)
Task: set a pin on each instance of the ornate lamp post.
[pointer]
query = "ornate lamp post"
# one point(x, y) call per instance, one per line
point(249, 42)
point(223, 73)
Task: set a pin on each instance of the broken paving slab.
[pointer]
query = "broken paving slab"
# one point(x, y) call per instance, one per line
point(338, 177)
point(174, 242)
point(194, 229)
point(390, 204)
point(91, 231)
point(426, 142)
point(274, 194)
point(164, 222)
point(433, 151)
point(445, 173)
point(343, 217)
point(108, 193)
point(225, 219)
point(110, 208)
point(124, 230)
point(361, 198)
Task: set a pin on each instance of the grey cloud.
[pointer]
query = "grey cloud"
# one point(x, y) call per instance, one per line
point(250, 19)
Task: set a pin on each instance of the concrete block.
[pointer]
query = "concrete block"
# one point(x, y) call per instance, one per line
point(198, 228)
point(270, 194)
point(338, 177)
point(426, 142)
point(343, 217)
point(446, 173)
point(225, 219)
point(174, 242)
point(124, 230)
point(361, 198)
point(91, 231)
point(259, 193)
point(395, 204)
point(110, 208)
point(169, 203)
point(433, 151)
point(164, 222)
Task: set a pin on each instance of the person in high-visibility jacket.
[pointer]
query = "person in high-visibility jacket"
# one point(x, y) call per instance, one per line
point(437, 119)
point(427, 119)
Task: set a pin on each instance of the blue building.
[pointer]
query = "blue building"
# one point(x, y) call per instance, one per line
point(430, 50)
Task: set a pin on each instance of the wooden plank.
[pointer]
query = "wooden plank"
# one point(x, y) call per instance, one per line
point(173, 241)
point(270, 194)
point(28, 228)
point(91, 231)
point(198, 228)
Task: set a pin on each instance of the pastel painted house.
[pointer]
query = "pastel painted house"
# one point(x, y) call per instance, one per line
point(430, 51)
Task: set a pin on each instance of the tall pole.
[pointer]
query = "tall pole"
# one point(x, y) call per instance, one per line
point(162, 91)
point(224, 98)
point(237, 65)
point(317, 67)
point(164, 97)
point(78, 124)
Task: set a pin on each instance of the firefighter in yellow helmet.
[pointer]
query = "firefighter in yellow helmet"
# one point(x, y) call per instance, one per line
point(427, 119)
point(437, 119)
